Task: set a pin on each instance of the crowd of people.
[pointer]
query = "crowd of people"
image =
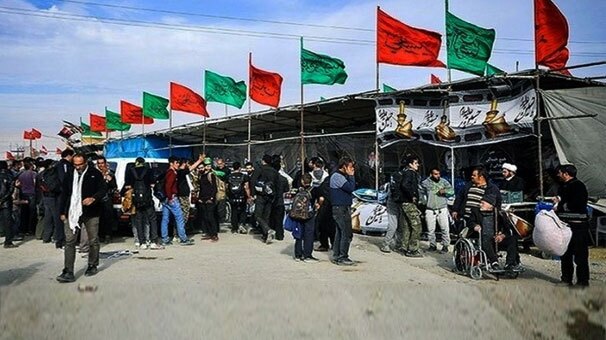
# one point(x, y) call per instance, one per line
point(72, 199)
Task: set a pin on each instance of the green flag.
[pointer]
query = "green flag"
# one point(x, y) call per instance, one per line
point(321, 69)
point(322, 99)
point(469, 46)
point(223, 89)
point(113, 121)
point(155, 106)
point(387, 88)
point(86, 132)
point(493, 70)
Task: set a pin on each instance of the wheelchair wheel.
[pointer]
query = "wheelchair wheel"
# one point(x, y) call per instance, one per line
point(475, 272)
point(463, 255)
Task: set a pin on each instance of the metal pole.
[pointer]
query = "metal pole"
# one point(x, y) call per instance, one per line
point(539, 134)
point(249, 104)
point(204, 137)
point(376, 141)
point(302, 123)
point(170, 132)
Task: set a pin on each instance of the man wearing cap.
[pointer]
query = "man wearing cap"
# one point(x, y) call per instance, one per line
point(207, 201)
point(511, 182)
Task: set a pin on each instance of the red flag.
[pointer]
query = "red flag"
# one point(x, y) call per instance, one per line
point(186, 100)
point(9, 156)
point(28, 135)
point(58, 151)
point(97, 123)
point(434, 79)
point(44, 150)
point(133, 114)
point(550, 35)
point(36, 134)
point(400, 44)
point(265, 87)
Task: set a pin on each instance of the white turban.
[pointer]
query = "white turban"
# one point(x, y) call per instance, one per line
point(510, 167)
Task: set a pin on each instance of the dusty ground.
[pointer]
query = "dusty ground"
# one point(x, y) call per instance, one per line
point(240, 288)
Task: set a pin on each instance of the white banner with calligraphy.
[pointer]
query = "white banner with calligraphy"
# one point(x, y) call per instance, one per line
point(472, 120)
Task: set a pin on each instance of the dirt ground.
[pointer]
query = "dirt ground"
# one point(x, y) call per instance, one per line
point(240, 288)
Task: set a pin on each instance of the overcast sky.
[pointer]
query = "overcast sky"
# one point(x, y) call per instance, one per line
point(53, 69)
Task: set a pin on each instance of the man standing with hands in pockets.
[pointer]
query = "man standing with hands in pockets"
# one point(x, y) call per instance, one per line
point(80, 205)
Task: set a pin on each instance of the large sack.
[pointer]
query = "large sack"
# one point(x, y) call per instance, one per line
point(550, 234)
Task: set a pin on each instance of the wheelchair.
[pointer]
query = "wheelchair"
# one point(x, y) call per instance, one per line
point(469, 259)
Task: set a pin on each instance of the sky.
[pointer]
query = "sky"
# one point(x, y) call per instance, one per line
point(61, 60)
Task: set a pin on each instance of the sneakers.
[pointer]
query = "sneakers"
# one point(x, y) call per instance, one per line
point(214, 239)
point(137, 244)
point(188, 242)
point(414, 254)
point(143, 246)
point(495, 266)
point(242, 230)
point(311, 259)
point(514, 267)
point(155, 246)
point(10, 245)
point(432, 248)
point(66, 276)
point(345, 262)
point(271, 236)
point(166, 243)
point(385, 249)
point(298, 259)
point(91, 270)
point(444, 249)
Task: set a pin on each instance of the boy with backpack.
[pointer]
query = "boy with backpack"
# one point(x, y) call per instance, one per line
point(139, 179)
point(238, 194)
point(304, 205)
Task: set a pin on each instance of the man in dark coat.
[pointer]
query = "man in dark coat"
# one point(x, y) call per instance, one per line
point(80, 204)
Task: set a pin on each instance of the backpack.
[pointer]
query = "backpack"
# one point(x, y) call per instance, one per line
point(141, 192)
point(301, 209)
point(221, 188)
point(49, 180)
point(159, 189)
point(395, 187)
point(264, 187)
point(235, 187)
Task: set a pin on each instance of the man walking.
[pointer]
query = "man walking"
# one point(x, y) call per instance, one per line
point(265, 183)
point(342, 185)
point(80, 206)
point(411, 216)
point(207, 201)
point(434, 194)
point(108, 217)
point(6, 205)
point(238, 193)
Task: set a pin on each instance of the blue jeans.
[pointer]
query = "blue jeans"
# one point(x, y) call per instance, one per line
point(344, 233)
point(305, 246)
point(172, 206)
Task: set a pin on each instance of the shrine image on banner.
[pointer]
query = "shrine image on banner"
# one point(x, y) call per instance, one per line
point(471, 118)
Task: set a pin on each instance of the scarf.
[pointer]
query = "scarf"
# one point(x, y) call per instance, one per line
point(75, 203)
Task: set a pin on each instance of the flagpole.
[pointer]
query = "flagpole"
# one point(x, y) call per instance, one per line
point(538, 111)
point(249, 103)
point(170, 132)
point(204, 137)
point(447, 67)
point(377, 88)
point(302, 123)
point(142, 124)
point(225, 110)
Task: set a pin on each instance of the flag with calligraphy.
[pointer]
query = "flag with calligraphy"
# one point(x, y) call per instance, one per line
point(133, 114)
point(400, 44)
point(550, 35)
point(155, 106)
point(265, 87)
point(97, 123)
point(113, 121)
point(28, 135)
point(36, 134)
point(223, 89)
point(186, 100)
point(9, 156)
point(462, 123)
point(469, 46)
point(321, 69)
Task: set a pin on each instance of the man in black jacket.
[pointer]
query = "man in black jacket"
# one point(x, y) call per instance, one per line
point(470, 197)
point(80, 204)
point(6, 204)
point(411, 216)
point(572, 209)
point(265, 184)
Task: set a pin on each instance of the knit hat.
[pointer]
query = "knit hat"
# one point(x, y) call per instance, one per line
point(208, 161)
point(510, 167)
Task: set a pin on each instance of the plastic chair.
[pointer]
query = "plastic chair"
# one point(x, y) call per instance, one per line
point(600, 228)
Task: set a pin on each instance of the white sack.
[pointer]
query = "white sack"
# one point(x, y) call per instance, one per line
point(550, 234)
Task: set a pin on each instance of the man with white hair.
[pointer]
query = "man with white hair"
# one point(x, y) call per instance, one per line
point(511, 182)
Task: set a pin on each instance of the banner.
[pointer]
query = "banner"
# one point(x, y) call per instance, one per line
point(473, 119)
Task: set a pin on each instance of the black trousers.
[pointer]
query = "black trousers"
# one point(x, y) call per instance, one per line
point(6, 222)
point(263, 206)
point(577, 253)
point(277, 221)
point(208, 217)
point(108, 221)
point(238, 214)
point(325, 226)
